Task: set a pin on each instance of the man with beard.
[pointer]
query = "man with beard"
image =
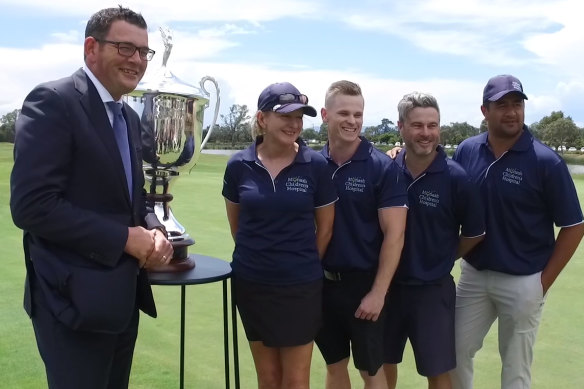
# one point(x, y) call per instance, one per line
point(445, 220)
point(526, 189)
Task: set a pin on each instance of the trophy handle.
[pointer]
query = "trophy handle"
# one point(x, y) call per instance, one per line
point(217, 102)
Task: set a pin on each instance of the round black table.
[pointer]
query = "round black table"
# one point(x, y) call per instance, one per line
point(207, 270)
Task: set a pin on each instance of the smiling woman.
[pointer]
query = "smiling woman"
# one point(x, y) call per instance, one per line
point(276, 261)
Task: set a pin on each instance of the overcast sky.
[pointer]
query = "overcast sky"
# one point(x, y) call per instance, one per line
point(445, 47)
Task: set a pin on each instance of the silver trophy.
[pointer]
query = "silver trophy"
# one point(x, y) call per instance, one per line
point(171, 112)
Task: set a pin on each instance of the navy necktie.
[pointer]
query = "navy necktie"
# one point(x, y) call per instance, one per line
point(121, 134)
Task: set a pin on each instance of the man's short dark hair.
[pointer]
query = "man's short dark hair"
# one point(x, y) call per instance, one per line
point(100, 22)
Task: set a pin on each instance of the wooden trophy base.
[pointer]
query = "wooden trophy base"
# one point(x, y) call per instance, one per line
point(181, 261)
point(174, 266)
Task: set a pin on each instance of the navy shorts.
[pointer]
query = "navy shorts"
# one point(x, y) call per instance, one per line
point(342, 333)
point(279, 315)
point(425, 315)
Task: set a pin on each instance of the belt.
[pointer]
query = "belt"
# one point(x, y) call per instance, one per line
point(332, 275)
point(348, 275)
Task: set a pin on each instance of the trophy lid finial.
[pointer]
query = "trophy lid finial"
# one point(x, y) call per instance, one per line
point(167, 40)
point(163, 80)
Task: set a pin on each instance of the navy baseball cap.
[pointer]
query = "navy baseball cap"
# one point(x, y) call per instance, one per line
point(499, 86)
point(283, 97)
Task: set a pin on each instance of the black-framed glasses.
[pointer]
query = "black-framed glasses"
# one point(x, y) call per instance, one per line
point(127, 49)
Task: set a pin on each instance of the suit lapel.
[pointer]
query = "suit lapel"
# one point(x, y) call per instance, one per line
point(97, 115)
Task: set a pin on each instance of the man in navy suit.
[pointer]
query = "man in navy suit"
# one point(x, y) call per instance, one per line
point(77, 193)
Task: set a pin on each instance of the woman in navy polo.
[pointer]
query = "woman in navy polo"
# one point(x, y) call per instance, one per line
point(280, 206)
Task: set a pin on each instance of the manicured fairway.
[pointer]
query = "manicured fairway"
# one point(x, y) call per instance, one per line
point(199, 206)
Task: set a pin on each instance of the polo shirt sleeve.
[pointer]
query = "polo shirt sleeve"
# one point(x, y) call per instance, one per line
point(326, 192)
point(561, 196)
point(230, 181)
point(393, 190)
point(460, 152)
point(469, 207)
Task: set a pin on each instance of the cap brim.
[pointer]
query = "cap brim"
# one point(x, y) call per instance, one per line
point(499, 95)
point(287, 108)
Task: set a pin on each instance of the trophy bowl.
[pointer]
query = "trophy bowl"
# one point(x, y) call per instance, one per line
point(171, 113)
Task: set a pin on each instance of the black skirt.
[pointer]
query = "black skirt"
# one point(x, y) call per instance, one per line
point(279, 315)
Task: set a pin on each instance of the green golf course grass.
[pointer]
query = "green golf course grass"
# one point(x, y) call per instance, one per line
point(199, 206)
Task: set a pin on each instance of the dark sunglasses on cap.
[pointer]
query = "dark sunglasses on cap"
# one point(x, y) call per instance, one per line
point(288, 98)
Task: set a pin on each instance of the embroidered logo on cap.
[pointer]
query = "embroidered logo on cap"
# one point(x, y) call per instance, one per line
point(517, 86)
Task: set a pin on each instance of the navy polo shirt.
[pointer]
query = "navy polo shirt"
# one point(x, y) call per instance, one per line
point(369, 181)
point(275, 241)
point(444, 204)
point(525, 191)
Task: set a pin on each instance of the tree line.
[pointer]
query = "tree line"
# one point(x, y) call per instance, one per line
point(7, 126)
point(556, 129)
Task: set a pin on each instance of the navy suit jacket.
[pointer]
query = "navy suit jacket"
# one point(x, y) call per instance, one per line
point(70, 197)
